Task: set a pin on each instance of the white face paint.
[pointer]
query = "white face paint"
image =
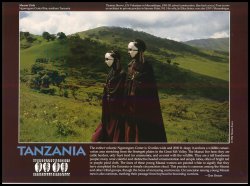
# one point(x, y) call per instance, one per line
point(109, 60)
point(132, 49)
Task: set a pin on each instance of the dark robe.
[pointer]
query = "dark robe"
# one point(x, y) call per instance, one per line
point(111, 128)
point(143, 120)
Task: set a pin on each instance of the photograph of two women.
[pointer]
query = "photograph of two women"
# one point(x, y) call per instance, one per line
point(160, 77)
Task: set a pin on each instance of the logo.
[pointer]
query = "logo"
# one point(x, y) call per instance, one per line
point(51, 167)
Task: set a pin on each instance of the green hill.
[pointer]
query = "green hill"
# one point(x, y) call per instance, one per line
point(177, 66)
point(193, 85)
point(205, 62)
point(220, 44)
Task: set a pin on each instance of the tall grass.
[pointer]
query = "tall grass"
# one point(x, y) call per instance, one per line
point(45, 118)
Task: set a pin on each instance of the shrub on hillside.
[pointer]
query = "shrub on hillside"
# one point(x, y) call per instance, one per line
point(36, 68)
point(64, 128)
point(50, 91)
point(35, 82)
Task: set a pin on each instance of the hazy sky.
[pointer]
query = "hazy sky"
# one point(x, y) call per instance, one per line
point(179, 26)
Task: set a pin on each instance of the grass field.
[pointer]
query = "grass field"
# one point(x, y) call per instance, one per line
point(45, 118)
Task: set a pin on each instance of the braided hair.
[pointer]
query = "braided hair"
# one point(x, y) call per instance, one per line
point(140, 44)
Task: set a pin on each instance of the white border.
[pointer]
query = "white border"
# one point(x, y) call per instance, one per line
point(127, 143)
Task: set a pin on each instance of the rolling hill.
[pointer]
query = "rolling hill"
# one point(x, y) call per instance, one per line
point(220, 44)
point(191, 58)
point(178, 67)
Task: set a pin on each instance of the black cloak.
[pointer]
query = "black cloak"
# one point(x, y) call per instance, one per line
point(143, 121)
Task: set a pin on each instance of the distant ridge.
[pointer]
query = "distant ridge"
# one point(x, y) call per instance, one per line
point(220, 44)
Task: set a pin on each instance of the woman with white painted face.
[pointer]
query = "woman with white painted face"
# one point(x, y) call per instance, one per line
point(111, 128)
point(143, 121)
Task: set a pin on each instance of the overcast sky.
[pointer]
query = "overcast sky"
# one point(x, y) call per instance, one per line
point(179, 26)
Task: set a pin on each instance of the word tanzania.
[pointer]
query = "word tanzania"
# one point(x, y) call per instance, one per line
point(51, 151)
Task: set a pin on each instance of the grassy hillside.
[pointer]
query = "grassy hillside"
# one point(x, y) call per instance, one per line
point(45, 118)
point(188, 57)
point(54, 118)
point(50, 50)
point(220, 44)
point(193, 86)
